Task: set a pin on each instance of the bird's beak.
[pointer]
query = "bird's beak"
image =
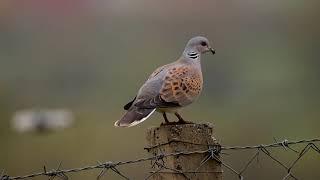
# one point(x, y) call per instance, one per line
point(212, 50)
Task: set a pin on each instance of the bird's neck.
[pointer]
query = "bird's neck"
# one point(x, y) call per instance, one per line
point(191, 54)
point(191, 57)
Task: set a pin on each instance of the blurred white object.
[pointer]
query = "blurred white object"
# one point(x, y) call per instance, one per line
point(42, 120)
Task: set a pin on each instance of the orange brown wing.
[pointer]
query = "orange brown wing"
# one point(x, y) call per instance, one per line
point(181, 85)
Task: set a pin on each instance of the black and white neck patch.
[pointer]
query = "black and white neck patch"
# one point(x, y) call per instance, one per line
point(193, 55)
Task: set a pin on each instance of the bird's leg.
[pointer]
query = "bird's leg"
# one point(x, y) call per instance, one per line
point(181, 120)
point(165, 118)
point(167, 122)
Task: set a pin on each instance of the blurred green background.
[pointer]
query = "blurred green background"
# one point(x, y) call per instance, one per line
point(92, 56)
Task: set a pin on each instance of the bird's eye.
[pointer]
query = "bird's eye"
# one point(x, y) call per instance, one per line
point(203, 43)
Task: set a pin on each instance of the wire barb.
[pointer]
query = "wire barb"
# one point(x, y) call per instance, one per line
point(3, 176)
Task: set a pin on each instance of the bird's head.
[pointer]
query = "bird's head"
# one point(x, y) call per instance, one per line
point(199, 44)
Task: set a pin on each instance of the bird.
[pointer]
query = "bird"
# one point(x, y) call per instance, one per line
point(170, 87)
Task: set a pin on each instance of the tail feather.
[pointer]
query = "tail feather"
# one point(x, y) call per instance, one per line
point(133, 117)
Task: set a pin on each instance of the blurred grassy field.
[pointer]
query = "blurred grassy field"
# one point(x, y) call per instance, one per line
point(91, 57)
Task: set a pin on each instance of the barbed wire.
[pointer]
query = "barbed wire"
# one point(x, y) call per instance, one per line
point(212, 153)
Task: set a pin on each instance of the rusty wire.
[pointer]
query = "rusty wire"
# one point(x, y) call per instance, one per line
point(212, 153)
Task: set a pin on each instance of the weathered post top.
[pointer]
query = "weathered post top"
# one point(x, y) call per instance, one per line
point(189, 146)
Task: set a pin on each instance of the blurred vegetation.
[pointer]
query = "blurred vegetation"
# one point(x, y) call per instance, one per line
point(92, 56)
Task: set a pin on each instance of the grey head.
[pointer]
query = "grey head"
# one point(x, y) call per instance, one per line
point(196, 46)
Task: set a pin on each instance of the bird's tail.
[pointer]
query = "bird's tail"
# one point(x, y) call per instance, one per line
point(133, 117)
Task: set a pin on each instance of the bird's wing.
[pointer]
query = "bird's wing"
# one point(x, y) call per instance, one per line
point(182, 84)
point(145, 90)
point(158, 70)
point(155, 102)
point(169, 86)
point(129, 104)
